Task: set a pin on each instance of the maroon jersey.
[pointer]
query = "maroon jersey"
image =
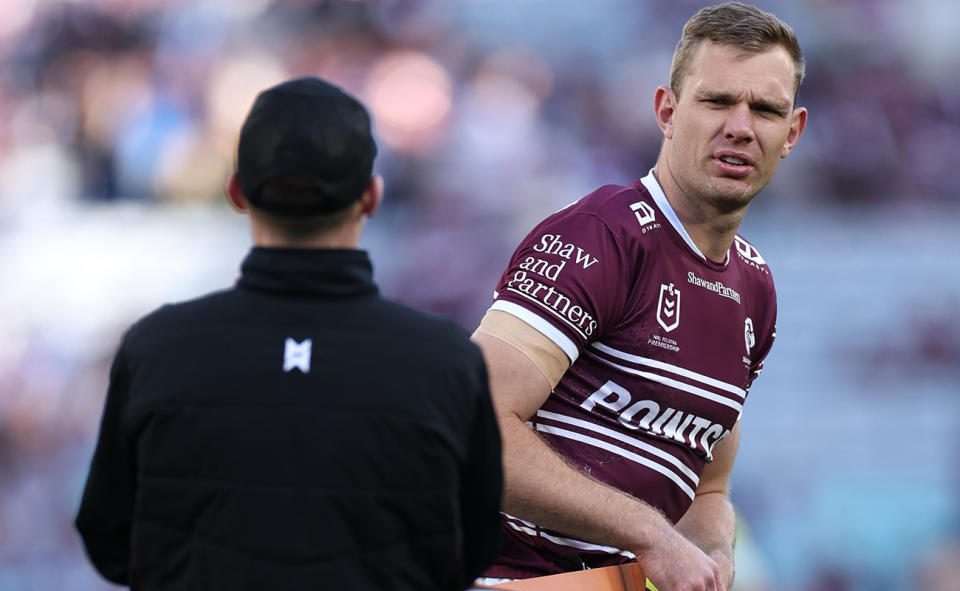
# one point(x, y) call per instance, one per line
point(664, 345)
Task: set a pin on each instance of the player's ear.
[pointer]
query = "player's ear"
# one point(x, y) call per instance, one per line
point(372, 197)
point(664, 106)
point(231, 188)
point(797, 124)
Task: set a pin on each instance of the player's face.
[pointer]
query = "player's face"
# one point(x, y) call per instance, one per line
point(732, 123)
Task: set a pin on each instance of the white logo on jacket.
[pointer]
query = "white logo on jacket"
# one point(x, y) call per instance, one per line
point(297, 355)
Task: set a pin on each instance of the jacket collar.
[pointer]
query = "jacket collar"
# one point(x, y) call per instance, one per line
point(305, 271)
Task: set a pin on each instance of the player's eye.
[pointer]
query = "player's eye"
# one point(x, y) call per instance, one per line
point(769, 110)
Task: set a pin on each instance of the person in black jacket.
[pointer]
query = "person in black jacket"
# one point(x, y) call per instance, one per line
point(296, 431)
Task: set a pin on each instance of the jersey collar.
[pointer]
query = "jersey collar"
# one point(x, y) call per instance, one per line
point(319, 272)
point(653, 186)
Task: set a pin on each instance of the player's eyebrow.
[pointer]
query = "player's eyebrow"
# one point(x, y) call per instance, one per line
point(781, 108)
point(717, 95)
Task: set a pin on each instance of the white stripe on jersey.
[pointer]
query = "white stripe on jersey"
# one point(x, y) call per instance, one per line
point(571, 542)
point(545, 414)
point(672, 369)
point(545, 328)
point(672, 383)
point(515, 518)
point(653, 186)
point(620, 452)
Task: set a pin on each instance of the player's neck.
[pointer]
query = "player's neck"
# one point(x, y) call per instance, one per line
point(346, 236)
point(710, 229)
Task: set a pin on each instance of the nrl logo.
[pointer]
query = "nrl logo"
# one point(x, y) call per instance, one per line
point(668, 307)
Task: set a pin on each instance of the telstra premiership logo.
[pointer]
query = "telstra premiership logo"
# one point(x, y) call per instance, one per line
point(668, 307)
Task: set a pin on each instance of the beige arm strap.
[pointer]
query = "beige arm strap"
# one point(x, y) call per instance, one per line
point(544, 353)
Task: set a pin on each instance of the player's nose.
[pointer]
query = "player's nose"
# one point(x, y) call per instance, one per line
point(738, 126)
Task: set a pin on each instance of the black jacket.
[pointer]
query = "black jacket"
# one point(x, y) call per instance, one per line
point(295, 432)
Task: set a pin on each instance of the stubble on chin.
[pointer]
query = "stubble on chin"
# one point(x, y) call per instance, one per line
point(728, 195)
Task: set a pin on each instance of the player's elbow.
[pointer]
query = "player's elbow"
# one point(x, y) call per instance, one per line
point(108, 553)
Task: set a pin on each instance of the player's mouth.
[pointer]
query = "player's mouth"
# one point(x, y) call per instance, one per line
point(734, 164)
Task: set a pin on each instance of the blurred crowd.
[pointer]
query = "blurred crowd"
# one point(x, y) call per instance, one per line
point(118, 125)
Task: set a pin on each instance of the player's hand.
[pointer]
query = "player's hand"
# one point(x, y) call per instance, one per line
point(726, 567)
point(673, 563)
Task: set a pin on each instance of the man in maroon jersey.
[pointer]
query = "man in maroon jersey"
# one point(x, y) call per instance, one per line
point(628, 327)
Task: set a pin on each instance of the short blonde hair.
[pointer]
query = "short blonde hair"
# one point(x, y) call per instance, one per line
point(739, 25)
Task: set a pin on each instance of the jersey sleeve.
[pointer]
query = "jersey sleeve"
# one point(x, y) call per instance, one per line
point(765, 338)
point(567, 279)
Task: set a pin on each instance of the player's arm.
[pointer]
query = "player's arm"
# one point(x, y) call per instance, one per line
point(541, 487)
point(105, 514)
point(710, 522)
point(481, 484)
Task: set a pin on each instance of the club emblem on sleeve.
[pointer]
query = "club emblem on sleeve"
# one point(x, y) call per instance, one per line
point(668, 307)
point(297, 355)
point(748, 335)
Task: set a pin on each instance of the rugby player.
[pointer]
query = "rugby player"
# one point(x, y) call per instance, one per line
point(628, 327)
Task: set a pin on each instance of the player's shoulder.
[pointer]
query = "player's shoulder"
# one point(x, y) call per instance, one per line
point(618, 208)
point(610, 203)
point(174, 317)
point(421, 323)
point(424, 334)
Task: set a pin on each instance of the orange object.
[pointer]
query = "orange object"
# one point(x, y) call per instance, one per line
point(624, 577)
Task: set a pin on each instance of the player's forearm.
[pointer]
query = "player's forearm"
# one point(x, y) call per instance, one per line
point(541, 487)
point(710, 523)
